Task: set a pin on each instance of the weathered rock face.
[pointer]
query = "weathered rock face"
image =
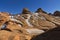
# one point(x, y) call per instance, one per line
point(40, 21)
point(23, 19)
point(6, 35)
point(4, 17)
point(26, 25)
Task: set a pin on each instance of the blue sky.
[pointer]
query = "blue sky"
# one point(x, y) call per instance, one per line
point(16, 6)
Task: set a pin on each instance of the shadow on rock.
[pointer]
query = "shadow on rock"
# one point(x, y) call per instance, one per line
point(53, 34)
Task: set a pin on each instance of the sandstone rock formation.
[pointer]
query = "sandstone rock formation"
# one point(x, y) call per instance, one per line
point(27, 25)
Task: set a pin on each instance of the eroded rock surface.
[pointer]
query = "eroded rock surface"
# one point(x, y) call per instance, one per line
point(27, 25)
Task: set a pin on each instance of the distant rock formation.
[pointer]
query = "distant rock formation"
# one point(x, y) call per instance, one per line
point(50, 13)
point(26, 11)
point(56, 13)
point(40, 10)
